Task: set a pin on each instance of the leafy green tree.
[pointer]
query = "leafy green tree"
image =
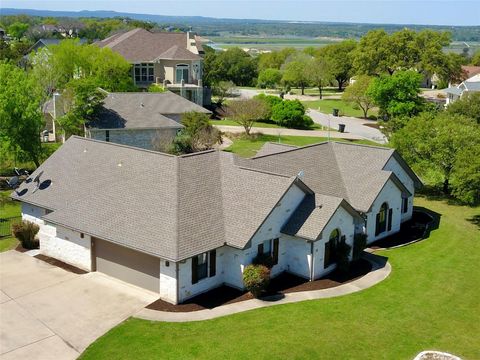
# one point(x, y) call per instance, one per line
point(320, 73)
point(339, 56)
point(291, 114)
point(397, 95)
point(371, 56)
point(274, 59)
point(21, 120)
point(435, 143)
point(468, 105)
point(270, 101)
point(296, 71)
point(82, 100)
point(476, 58)
point(357, 93)
point(232, 65)
point(222, 89)
point(466, 174)
point(269, 78)
point(17, 30)
point(246, 112)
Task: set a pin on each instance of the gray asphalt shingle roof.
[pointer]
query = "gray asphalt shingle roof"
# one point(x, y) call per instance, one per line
point(169, 206)
point(349, 171)
point(139, 45)
point(143, 110)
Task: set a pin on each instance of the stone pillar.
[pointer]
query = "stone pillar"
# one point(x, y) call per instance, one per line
point(183, 90)
point(200, 93)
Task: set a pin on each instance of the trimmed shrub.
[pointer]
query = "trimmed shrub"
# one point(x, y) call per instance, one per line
point(359, 244)
point(256, 279)
point(291, 114)
point(342, 253)
point(270, 101)
point(25, 232)
point(263, 259)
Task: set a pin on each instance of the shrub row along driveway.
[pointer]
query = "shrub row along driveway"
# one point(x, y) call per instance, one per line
point(47, 312)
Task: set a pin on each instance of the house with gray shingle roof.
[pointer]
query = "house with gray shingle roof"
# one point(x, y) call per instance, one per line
point(140, 119)
point(170, 59)
point(183, 225)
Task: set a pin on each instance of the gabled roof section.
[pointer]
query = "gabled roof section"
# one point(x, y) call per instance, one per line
point(349, 171)
point(139, 45)
point(172, 207)
point(143, 110)
point(177, 53)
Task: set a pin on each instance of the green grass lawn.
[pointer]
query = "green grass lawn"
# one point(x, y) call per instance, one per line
point(10, 209)
point(429, 301)
point(260, 124)
point(327, 105)
point(314, 91)
point(248, 147)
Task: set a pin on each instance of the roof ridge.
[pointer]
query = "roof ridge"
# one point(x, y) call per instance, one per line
point(264, 172)
point(122, 145)
point(123, 37)
point(293, 149)
point(339, 169)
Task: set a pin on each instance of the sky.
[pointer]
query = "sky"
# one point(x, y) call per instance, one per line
point(427, 12)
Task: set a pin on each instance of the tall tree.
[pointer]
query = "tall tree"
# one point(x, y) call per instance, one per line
point(397, 95)
point(320, 73)
point(433, 142)
point(339, 56)
point(232, 65)
point(21, 120)
point(296, 71)
point(357, 93)
point(269, 78)
point(468, 105)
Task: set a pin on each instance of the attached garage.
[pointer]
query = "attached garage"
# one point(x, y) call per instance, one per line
point(127, 265)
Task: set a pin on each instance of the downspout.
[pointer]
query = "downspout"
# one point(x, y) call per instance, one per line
point(178, 288)
point(312, 262)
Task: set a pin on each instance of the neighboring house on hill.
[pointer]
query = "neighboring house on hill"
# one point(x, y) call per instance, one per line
point(172, 59)
point(470, 85)
point(182, 225)
point(41, 43)
point(140, 119)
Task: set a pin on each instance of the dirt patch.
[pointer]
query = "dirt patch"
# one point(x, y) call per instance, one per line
point(21, 249)
point(61, 264)
point(282, 284)
point(375, 126)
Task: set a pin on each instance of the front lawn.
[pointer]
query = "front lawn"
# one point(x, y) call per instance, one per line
point(248, 147)
point(327, 105)
point(259, 124)
point(429, 301)
point(10, 209)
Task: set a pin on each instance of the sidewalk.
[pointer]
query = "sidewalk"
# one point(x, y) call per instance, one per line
point(380, 271)
point(291, 132)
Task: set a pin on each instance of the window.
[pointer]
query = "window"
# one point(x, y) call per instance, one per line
point(81, 236)
point(144, 72)
point(181, 73)
point(267, 249)
point(329, 257)
point(381, 219)
point(203, 266)
point(404, 205)
point(107, 135)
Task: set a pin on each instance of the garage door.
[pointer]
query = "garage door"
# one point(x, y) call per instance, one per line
point(127, 265)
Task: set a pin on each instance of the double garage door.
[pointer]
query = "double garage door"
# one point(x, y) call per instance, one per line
point(127, 265)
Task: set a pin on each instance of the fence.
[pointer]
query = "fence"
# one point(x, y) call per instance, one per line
point(6, 224)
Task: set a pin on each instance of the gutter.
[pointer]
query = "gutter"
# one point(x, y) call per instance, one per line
point(311, 259)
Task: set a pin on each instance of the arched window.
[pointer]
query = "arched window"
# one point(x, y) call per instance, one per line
point(181, 73)
point(329, 257)
point(384, 219)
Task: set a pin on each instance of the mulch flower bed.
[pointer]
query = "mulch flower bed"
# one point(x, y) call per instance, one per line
point(282, 284)
point(60, 264)
point(410, 231)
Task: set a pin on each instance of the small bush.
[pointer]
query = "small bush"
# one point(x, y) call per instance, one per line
point(156, 88)
point(291, 114)
point(263, 259)
point(359, 244)
point(256, 279)
point(270, 101)
point(25, 232)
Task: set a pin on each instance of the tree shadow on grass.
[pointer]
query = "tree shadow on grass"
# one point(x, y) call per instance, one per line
point(475, 220)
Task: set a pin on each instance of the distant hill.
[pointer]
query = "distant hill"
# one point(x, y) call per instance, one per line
point(209, 26)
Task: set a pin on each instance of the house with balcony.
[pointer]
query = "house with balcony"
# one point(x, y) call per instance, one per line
point(171, 60)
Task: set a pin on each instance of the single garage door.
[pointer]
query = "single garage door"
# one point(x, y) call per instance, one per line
point(127, 265)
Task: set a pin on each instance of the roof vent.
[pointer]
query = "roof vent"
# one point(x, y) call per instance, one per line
point(141, 105)
point(301, 175)
point(120, 164)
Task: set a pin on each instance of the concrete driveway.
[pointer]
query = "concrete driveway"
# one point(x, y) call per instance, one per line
point(49, 313)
